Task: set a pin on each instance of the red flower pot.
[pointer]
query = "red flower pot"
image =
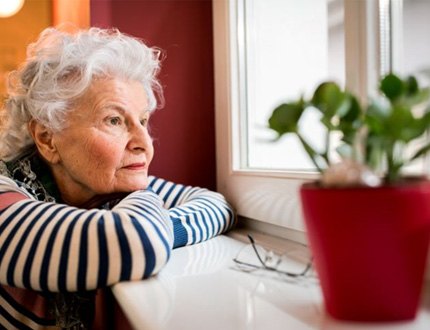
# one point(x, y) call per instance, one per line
point(370, 248)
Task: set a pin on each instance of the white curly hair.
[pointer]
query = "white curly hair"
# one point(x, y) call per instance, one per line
point(60, 67)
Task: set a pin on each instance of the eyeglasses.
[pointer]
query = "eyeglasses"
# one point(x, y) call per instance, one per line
point(295, 263)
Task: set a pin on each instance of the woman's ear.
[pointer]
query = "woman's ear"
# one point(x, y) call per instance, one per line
point(43, 138)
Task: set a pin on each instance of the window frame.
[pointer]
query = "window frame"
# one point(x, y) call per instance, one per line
point(271, 198)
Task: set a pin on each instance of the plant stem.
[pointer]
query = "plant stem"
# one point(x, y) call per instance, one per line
point(392, 171)
point(310, 151)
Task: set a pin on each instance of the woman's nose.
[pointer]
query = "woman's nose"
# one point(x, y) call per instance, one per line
point(139, 138)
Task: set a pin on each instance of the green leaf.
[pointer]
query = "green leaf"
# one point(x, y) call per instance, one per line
point(411, 85)
point(350, 120)
point(400, 124)
point(285, 118)
point(351, 110)
point(376, 117)
point(328, 98)
point(392, 86)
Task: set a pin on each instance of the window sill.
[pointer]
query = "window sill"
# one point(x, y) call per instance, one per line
point(200, 289)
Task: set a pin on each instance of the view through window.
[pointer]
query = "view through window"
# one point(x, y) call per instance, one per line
point(289, 47)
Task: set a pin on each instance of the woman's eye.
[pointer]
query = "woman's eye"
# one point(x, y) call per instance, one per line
point(144, 122)
point(114, 121)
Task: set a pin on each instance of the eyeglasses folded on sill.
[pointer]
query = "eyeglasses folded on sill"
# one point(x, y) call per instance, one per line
point(295, 263)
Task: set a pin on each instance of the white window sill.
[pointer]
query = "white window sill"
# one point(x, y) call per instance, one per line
point(199, 289)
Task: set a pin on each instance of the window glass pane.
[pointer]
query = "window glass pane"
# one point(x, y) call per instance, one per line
point(410, 53)
point(291, 46)
point(415, 51)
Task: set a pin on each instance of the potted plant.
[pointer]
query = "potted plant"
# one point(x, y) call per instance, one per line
point(368, 223)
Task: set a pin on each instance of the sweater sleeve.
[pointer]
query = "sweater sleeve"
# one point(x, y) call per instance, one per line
point(55, 247)
point(197, 214)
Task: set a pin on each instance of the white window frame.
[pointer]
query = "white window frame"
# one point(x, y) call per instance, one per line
point(271, 199)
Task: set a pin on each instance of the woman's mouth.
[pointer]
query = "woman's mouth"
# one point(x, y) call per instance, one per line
point(136, 166)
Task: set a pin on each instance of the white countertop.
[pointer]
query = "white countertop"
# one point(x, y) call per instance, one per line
point(200, 288)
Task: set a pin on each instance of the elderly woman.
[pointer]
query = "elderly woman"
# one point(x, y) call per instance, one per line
point(78, 210)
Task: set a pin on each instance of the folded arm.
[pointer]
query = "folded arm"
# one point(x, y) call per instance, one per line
point(55, 247)
point(197, 213)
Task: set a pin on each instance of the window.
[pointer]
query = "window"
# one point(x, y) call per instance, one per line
point(312, 39)
point(267, 51)
point(411, 50)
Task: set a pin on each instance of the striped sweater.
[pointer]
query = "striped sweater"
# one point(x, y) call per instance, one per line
point(50, 247)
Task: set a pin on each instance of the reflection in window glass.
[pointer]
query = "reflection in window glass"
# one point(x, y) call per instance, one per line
point(291, 46)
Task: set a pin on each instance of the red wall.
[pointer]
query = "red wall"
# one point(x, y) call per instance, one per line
point(183, 131)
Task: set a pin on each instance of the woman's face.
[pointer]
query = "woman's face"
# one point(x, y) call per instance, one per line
point(105, 147)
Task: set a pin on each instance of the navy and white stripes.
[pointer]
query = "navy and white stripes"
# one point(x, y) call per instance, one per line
point(54, 247)
point(197, 214)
